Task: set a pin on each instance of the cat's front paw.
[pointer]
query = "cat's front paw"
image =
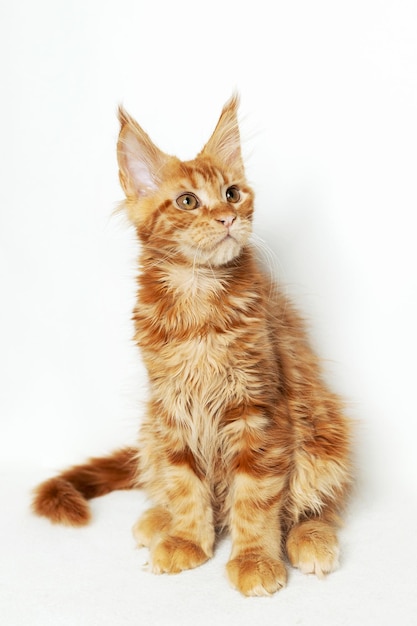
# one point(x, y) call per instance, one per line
point(175, 554)
point(256, 574)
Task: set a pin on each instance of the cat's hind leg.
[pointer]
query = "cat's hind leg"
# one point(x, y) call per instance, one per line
point(319, 486)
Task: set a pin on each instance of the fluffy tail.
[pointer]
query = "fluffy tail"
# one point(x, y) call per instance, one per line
point(63, 499)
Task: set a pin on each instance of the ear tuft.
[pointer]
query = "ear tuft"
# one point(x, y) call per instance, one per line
point(224, 144)
point(140, 161)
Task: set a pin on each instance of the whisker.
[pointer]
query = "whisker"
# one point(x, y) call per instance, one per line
point(267, 256)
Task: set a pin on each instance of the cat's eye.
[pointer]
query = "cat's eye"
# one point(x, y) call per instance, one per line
point(232, 194)
point(188, 201)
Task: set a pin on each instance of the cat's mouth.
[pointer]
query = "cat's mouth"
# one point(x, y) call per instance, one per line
point(227, 240)
point(227, 237)
point(225, 249)
point(215, 248)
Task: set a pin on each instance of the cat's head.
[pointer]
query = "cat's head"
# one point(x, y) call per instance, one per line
point(200, 210)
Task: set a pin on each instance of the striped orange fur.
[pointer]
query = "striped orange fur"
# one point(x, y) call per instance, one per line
point(241, 432)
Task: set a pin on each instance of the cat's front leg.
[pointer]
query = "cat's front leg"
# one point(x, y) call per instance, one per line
point(256, 567)
point(179, 532)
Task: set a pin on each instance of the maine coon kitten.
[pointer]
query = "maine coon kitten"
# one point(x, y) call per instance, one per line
point(241, 432)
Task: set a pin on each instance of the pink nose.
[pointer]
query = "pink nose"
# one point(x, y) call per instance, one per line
point(227, 220)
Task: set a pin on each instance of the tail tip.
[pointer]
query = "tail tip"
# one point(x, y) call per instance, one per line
point(61, 503)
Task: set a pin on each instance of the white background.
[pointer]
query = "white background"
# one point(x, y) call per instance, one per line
point(329, 123)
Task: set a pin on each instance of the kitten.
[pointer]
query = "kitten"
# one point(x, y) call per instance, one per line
point(241, 432)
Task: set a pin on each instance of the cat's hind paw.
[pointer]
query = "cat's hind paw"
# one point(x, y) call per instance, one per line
point(312, 547)
point(172, 555)
point(151, 525)
point(256, 574)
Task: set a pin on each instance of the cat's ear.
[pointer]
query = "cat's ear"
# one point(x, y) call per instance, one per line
point(140, 161)
point(224, 144)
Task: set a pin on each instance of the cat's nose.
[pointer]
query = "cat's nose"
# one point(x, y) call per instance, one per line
point(227, 220)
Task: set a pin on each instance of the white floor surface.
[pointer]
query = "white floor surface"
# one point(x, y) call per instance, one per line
point(52, 575)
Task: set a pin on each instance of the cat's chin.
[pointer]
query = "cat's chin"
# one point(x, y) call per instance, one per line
point(222, 254)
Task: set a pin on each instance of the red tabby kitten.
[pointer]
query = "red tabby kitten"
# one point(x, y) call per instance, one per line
point(241, 432)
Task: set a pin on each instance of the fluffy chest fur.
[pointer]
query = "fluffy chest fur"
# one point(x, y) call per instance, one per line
point(205, 340)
